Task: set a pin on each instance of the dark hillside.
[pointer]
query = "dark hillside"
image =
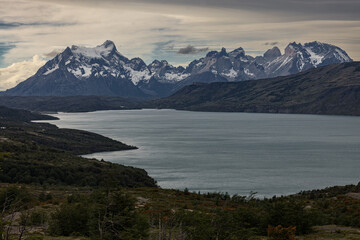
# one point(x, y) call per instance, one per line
point(69, 104)
point(21, 115)
point(41, 153)
point(333, 89)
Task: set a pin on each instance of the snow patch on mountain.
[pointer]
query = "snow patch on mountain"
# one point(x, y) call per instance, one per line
point(100, 51)
point(247, 72)
point(231, 74)
point(137, 76)
point(51, 70)
point(341, 56)
point(176, 77)
point(314, 58)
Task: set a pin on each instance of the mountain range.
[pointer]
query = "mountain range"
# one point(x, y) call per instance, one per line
point(332, 89)
point(103, 71)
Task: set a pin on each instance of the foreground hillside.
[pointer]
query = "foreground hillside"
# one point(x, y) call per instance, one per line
point(333, 89)
point(152, 213)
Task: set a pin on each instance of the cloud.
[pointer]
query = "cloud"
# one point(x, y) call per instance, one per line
point(150, 28)
point(271, 43)
point(170, 47)
point(191, 50)
point(295, 9)
point(53, 53)
point(18, 72)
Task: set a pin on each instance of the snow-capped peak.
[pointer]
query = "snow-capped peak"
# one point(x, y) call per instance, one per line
point(102, 51)
point(108, 44)
point(322, 52)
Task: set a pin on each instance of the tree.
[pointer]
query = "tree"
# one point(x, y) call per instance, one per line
point(113, 216)
point(14, 200)
point(104, 215)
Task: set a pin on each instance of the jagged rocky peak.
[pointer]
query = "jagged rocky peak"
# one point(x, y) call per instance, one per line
point(223, 52)
point(238, 52)
point(327, 51)
point(109, 44)
point(212, 54)
point(156, 66)
point(318, 47)
point(293, 48)
point(155, 63)
point(272, 53)
point(137, 64)
point(104, 50)
point(216, 54)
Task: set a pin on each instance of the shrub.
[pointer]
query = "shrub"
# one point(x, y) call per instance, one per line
point(281, 233)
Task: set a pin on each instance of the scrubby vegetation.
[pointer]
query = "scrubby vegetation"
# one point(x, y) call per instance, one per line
point(69, 140)
point(37, 164)
point(154, 213)
point(43, 154)
point(104, 214)
point(21, 115)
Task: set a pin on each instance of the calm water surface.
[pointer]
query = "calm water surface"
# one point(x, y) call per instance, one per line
point(271, 154)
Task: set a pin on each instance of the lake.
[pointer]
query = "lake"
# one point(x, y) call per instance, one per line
point(238, 153)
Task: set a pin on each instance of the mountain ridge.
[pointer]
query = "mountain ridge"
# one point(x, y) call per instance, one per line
point(332, 89)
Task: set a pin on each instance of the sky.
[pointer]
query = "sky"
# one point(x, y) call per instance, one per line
point(33, 31)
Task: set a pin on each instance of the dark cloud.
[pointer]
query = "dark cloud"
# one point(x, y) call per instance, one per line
point(191, 50)
point(294, 9)
point(271, 43)
point(162, 29)
point(53, 53)
point(7, 25)
point(4, 48)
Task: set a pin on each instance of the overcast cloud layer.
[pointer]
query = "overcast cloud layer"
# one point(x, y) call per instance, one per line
point(161, 29)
